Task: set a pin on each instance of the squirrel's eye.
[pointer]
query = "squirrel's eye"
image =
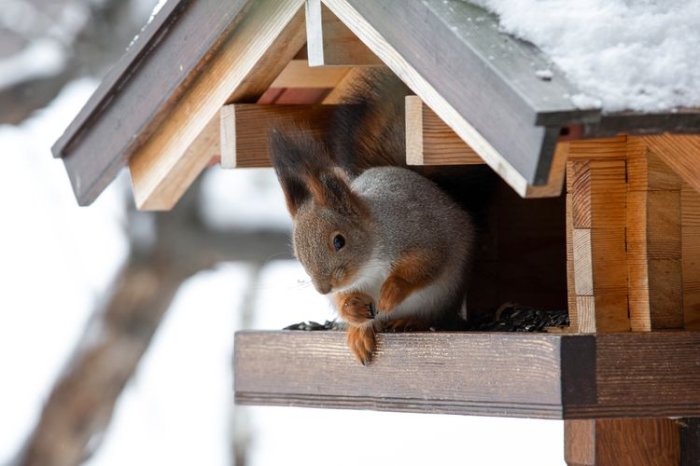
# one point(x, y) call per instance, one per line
point(338, 242)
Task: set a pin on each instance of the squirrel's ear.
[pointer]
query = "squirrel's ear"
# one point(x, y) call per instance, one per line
point(332, 189)
point(285, 153)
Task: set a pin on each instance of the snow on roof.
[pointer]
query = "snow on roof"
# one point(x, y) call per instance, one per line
point(625, 54)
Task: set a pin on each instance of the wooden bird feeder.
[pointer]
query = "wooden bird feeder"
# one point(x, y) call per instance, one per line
point(606, 219)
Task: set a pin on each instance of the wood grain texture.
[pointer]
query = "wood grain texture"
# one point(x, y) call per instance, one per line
point(690, 262)
point(653, 241)
point(596, 248)
point(317, 369)
point(330, 43)
point(652, 374)
point(681, 152)
point(245, 129)
point(298, 73)
point(250, 58)
point(429, 141)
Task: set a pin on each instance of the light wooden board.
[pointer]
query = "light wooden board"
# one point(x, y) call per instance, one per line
point(298, 74)
point(429, 141)
point(596, 243)
point(330, 43)
point(252, 56)
point(245, 129)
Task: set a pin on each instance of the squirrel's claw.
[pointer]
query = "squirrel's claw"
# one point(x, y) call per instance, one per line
point(356, 308)
point(362, 343)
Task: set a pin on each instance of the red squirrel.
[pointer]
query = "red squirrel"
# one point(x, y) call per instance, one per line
point(391, 248)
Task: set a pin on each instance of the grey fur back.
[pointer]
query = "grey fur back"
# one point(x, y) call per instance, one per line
point(412, 212)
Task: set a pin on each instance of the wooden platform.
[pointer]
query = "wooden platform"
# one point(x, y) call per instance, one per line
point(549, 376)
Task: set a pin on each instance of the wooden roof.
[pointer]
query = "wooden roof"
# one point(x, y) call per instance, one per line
point(154, 108)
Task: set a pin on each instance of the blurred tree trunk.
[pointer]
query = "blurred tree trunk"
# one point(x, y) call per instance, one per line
point(81, 404)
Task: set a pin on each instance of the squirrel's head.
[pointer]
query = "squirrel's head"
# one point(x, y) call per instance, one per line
point(332, 226)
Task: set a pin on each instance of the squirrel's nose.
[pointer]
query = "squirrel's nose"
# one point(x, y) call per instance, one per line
point(323, 288)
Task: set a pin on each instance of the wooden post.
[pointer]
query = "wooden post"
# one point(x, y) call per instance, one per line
point(596, 201)
point(628, 212)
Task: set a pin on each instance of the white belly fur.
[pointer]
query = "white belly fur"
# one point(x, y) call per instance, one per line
point(423, 302)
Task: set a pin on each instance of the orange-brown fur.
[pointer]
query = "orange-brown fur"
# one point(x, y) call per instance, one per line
point(412, 271)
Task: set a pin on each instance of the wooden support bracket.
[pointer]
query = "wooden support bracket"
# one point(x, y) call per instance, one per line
point(245, 127)
point(331, 43)
point(243, 67)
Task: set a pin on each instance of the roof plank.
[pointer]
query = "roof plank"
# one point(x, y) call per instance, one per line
point(139, 92)
point(248, 61)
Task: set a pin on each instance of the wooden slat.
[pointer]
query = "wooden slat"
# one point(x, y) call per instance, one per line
point(330, 43)
point(653, 241)
point(429, 141)
point(521, 375)
point(596, 243)
point(298, 73)
point(245, 128)
point(249, 60)
point(482, 116)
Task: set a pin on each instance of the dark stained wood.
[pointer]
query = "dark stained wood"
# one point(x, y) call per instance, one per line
point(419, 372)
point(690, 441)
point(134, 98)
point(496, 374)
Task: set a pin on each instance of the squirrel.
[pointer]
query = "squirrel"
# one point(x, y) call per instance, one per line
point(391, 246)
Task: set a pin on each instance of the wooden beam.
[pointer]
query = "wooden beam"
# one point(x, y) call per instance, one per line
point(252, 55)
point(298, 74)
point(245, 128)
point(519, 375)
point(653, 241)
point(330, 43)
point(467, 109)
point(429, 141)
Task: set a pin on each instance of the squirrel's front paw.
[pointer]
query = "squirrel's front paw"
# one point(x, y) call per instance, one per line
point(362, 342)
point(356, 308)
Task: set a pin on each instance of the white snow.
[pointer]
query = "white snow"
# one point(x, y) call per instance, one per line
point(623, 54)
point(244, 199)
point(57, 262)
point(177, 408)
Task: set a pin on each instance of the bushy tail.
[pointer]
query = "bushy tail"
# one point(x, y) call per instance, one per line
point(369, 130)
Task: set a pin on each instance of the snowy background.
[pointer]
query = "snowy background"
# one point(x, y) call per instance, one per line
point(59, 262)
